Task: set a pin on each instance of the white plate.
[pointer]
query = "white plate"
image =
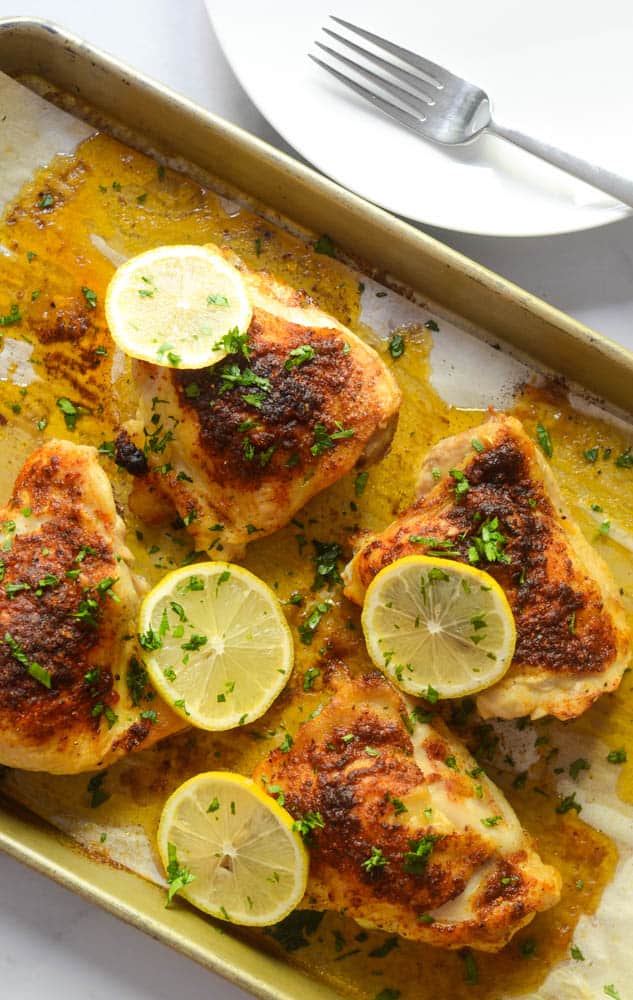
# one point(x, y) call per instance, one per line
point(560, 69)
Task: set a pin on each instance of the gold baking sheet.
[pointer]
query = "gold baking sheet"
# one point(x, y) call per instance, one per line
point(440, 276)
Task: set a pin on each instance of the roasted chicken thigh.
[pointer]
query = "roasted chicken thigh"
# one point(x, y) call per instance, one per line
point(240, 447)
point(411, 836)
point(488, 497)
point(73, 697)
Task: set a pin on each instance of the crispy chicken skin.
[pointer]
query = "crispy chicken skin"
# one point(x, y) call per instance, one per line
point(247, 456)
point(68, 604)
point(445, 842)
point(573, 643)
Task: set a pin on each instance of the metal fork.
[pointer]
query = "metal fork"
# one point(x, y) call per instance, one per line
point(443, 107)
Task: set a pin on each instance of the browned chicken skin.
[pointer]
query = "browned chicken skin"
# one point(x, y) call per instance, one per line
point(573, 643)
point(71, 691)
point(414, 838)
point(240, 447)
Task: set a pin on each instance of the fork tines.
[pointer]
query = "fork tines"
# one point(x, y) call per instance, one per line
point(421, 87)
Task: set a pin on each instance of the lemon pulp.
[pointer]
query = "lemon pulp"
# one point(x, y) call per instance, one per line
point(236, 848)
point(217, 644)
point(438, 628)
point(178, 306)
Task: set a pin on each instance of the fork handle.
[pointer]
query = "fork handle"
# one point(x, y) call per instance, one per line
point(618, 187)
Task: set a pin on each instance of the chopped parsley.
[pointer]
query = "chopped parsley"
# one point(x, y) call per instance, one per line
point(491, 820)
point(488, 543)
point(323, 441)
point(610, 991)
point(360, 483)
point(544, 439)
point(96, 791)
point(309, 678)
point(591, 454)
point(618, 756)
point(578, 765)
point(37, 672)
point(568, 803)
point(396, 346)
point(417, 857)
point(89, 296)
point(13, 316)
point(234, 342)
point(307, 824)
point(286, 743)
point(177, 876)
point(325, 246)
point(71, 412)
point(217, 300)
point(311, 623)
point(326, 557)
point(232, 376)
point(461, 483)
point(299, 356)
point(375, 860)
point(576, 953)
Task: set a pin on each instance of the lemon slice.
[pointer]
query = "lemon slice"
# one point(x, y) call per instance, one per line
point(217, 644)
point(177, 306)
point(438, 628)
point(231, 850)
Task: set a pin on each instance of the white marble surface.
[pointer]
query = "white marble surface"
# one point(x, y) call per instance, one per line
point(51, 941)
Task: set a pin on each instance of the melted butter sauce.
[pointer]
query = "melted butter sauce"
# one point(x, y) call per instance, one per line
point(108, 203)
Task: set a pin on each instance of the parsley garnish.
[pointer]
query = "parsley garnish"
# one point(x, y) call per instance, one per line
point(98, 793)
point(234, 342)
point(611, 991)
point(544, 440)
point(360, 483)
point(299, 356)
point(461, 483)
point(375, 860)
point(327, 555)
point(150, 640)
point(489, 543)
point(232, 376)
point(286, 743)
point(578, 765)
point(37, 672)
point(309, 678)
point(324, 441)
point(306, 824)
point(177, 876)
point(308, 627)
point(13, 316)
point(491, 820)
point(325, 245)
point(417, 858)
point(396, 346)
point(195, 642)
point(71, 412)
point(617, 756)
point(90, 296)
point(568, 803)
